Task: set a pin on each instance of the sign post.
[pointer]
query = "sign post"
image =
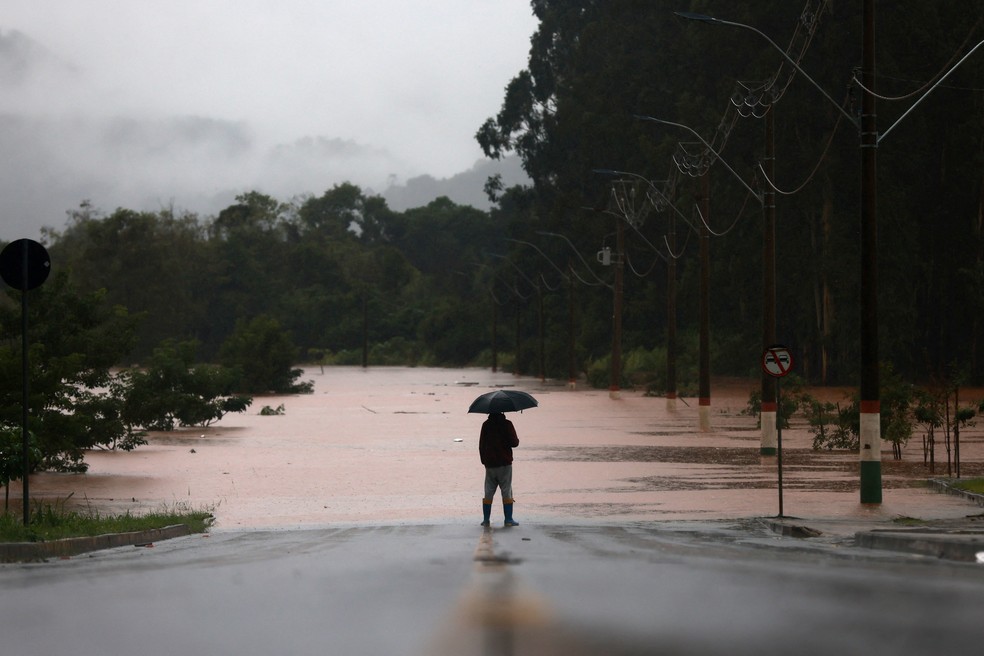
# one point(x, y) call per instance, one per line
point(24, 265)
point(777, 362)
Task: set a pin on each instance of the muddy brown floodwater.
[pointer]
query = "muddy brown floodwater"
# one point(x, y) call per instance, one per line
point(396, 445)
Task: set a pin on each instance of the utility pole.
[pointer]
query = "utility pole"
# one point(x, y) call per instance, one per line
point(614, 390)
point(495, 334)
point(770, 408)
point(671, 317)
point(541, 355)
point(704, 357)
point(365, 329)
point(519, 339)
point(571, 367)
point(870, 434)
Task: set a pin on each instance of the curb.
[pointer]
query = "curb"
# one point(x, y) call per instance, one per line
point(962, 547)
point(944, 485)
point(790, 530)
point(12, 552)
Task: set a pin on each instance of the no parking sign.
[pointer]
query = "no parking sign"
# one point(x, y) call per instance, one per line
point(777, 361)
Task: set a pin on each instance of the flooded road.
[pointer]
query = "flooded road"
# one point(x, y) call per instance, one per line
point(397, 446)
point(639, 535)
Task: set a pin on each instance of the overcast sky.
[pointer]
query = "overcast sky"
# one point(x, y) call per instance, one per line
point(149, 103)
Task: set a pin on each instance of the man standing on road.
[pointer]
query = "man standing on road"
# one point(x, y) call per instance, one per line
point(495, 447)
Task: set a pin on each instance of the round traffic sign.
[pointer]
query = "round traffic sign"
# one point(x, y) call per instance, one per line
point(24, 264)
point(777, 361)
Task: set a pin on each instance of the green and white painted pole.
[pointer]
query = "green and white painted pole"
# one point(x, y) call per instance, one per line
point(870, 438)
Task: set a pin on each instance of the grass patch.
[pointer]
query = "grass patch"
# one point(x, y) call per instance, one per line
point(969, 484)
point(53, 522)
point(908, 521)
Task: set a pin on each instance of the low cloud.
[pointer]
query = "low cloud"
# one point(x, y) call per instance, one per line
point(195, 164)
point(73, 131)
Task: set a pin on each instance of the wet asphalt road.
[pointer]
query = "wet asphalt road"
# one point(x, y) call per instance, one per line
point(667, 588)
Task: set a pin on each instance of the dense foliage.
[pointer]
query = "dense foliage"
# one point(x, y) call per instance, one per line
point(78, 400)
point(594, 65)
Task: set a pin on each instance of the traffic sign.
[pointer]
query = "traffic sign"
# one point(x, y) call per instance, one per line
point(24, 264)
point(777, 361)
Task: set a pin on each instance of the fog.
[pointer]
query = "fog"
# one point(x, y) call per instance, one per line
point(187, 103)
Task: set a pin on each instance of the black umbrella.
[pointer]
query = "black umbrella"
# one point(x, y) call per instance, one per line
point(502, 401)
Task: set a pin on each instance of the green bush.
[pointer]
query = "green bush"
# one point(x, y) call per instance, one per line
point(172, 390)
point(264, 355)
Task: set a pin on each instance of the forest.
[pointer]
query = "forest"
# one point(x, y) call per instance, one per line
point(616, 211)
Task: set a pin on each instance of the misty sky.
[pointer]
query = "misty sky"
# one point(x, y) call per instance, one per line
point(145, 103)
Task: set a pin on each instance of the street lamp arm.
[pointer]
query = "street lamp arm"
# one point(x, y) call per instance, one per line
point(757, 195)
point(717, 21)
point(928, 91)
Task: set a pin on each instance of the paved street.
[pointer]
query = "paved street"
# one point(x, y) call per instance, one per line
point(682, 588)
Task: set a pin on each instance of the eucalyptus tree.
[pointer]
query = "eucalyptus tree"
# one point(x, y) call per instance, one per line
point(593, 65)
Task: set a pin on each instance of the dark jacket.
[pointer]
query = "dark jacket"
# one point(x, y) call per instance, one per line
point(497, 441)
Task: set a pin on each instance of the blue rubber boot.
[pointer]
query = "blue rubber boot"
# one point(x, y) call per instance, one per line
point(486, 511)
point(507, 508)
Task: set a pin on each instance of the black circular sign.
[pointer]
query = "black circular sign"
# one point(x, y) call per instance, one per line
point(24, 264)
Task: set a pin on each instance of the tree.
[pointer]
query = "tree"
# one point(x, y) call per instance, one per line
point(152, 263)
point(174, 390)
point(594, 65)
point(12, 459)
point(263, 355)
point(74, 340)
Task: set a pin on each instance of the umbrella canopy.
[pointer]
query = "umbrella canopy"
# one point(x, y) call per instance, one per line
point(502, 401)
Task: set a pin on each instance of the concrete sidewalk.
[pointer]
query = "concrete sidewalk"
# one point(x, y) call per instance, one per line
point(959, 539)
